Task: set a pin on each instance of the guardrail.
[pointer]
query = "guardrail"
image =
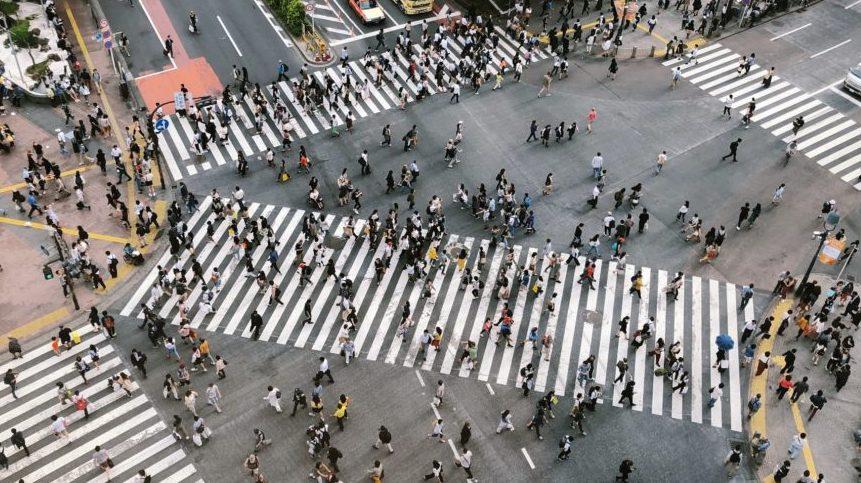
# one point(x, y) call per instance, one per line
point(128, 88)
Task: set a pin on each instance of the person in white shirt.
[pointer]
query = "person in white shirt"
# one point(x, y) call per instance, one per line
point(273, 397)
point(324, 370)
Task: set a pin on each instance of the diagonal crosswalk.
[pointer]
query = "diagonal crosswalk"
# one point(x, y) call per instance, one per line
point(827, 137)
point(583, 324)
point(177, 141)
point(128, 427)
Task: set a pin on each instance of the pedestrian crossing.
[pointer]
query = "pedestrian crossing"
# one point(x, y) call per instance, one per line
point(127, 426)
point(584, 322)
point(177, 140)
point(828, 137)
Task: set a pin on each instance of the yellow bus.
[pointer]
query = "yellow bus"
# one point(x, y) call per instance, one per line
point(413, 7)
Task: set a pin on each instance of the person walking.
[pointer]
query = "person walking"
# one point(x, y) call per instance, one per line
point(733, 150)
point(545, 85)
point(743, 214)
point(213, 396)
point(733, 461)
point(628, 393)
point(384, 438)
point(817, 402)
point(465, 434)
point(504, 422)
point(19, 441)
point(796, 445)
point(324, 370)
point(437, 431)
point(625, 470)
point(799, 389)
point(436, 472)
point(746, 293)
point(715, 393)
point(465, 462)
point(11, 380)
point(273, 398)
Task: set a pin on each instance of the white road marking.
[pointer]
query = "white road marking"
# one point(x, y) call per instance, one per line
point(230, 37)
point(490, 389)
point(829, 49)
point(419, 376)
point(338, 31)
point(829, 86)
point(791, 31)
point(847, 7)
point(368, 35)
point(528, 459)
point(845, 96)
point(160, 40)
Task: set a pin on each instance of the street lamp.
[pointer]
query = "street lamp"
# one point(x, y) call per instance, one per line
point(828, 225)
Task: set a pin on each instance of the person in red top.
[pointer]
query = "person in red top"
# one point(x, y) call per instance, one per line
point(784, 386)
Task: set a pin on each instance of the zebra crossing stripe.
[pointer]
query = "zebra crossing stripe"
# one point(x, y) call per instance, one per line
point(449, 304)
point(714, 331)
point(696, 351)
point(490, 349)
point(180, 475)
point(443, 272)
point(480, 314)
point(517, 318)
point(12, 411)
point(535, 319)
point(552, 322)
point(734, 376)
point(839, 154)
point(679, 334)
point(660, 330)
point(136, 459)
point(622, 346)
point(283, 241)
point(162, 464)
point(834, 143)
point(640, 364)
point(568, 334)
point(38, 351)
point(330, 283)
point(248, 294)
point(116, 452)
point(763, 113)
point(421, 322)
point(790, 114)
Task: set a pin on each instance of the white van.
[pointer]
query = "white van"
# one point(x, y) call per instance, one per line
point(852, 82)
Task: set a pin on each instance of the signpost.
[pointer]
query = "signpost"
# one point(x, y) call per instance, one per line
point(309, 9)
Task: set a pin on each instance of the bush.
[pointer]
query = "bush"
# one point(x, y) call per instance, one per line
point(291, 13)
point(36, 71)
point(22, 36)
point(8, 8)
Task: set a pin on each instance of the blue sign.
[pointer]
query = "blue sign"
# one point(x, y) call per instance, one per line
point(161, 125)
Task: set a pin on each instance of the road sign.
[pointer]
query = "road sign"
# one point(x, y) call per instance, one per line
point(108, 44)
point(161, 125)
point(309, 7)
point(98, 37)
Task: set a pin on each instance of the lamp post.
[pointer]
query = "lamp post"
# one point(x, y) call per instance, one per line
point(830, 223)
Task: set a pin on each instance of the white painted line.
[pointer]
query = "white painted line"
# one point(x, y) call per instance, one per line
point(338, 31)
point(160, 40)
point(419, 376)
point(696, 351)
point(435, 411)
point(324, 17)
point(528, 459)
point(838, 154)
point(829, 86)
point(829, 49)
point(791, 31)
point(394, 28)
point(155, 73)
point(734, 377)
point(497, 7)
point(490, 389)
point(230, 37)
point(847, 7)
point(347, 15)
point(845, 96)
point(260, 7)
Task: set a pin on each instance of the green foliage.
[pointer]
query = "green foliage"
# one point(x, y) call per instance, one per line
point(8, 8)
point(22, 36)
point(36, 71)
point(291, 13)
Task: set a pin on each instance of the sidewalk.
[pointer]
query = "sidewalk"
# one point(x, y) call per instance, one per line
point(22, 259)
point(830, 446)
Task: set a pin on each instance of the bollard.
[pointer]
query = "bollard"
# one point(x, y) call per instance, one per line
point(634, 52)
point(652, 51)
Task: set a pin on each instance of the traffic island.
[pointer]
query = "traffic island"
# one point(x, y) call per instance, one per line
point(292, 16)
